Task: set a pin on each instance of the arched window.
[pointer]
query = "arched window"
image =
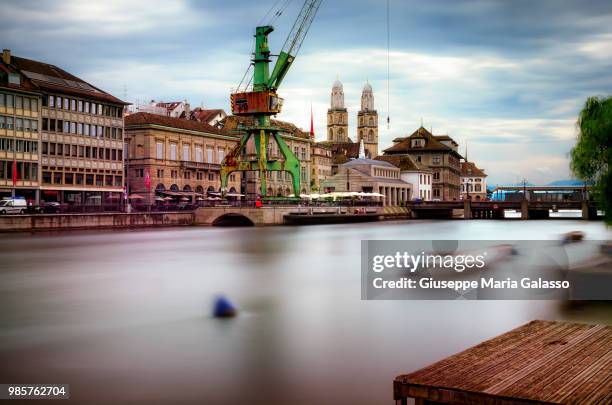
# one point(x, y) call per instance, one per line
point(160, 187)
point(287, 191)
point(331, 134)
point(232, 190)
point(210, 189)
point(199, 189)
point(279, 193)
point(340, 133)
point(270, 191)
point(371, 122)
point(371, 136)
point(187, 187)
point(174, 187)
point(360, 134)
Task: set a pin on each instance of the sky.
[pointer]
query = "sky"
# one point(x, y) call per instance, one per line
point(506, 79)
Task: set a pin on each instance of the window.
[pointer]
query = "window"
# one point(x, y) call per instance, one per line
point(159, 151)
point(199, 157)
point(186, 152)
point(209, 155)
point(80, 128)
point(86, 129)
point(79, 178)
point(18, 102)
point(87, 106)
point(26, 103)
point(34, 105)
point(436, 160)
point(99, 109)
point(160, 173)
point(80, 106)
point(73, 128)
point(52, 101)
point(14, 78)
point(436, 176)
point(220, 154)
point(19, 124)
point(2, 99)
point(172, 151)
point(73, 104)
point(100, 129)
point(66, 104)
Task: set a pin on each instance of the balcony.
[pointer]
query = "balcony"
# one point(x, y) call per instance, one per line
point(199, 165)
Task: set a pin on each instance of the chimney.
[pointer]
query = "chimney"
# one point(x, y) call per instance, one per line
point(6, 56)
point(187, 109)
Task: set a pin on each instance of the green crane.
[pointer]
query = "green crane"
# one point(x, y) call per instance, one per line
point(263, 101)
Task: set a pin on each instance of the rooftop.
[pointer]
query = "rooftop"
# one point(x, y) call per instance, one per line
point(45, 77)
point(142, 118)
point(432, 143)
point(469, 169)
point(404, 162)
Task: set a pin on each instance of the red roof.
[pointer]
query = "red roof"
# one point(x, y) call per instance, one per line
point(50, 78)
point(143, 119)
point(202, 115)
point(432, 143)
point(469, 169)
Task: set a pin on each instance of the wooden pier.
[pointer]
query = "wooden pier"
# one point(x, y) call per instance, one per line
point(542, 362)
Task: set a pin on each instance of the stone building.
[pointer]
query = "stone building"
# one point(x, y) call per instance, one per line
point(439, 153)
point(370, 176)
point(73, 129)
point(181, 158)
point(416, 174)
point(320, 165)
point(473, 182)
point(367, 123)
point(278, 183)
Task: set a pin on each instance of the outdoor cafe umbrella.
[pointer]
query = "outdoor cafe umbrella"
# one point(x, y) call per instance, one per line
point(136, 197)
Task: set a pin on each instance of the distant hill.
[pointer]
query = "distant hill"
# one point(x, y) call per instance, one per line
point(566, 183)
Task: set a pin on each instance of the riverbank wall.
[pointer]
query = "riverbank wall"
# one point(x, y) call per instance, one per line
point(47, 222)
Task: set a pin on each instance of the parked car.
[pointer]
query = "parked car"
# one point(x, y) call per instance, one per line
point(13, 206)
point(51, 207)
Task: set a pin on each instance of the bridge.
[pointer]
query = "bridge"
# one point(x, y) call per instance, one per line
point(496, 209)
point(228, 215)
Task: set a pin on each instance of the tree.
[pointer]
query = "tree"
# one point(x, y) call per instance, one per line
point(593, 151)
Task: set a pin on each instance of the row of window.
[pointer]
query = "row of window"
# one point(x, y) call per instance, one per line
point(392, 174)
point(13, 101)
point(99, 180)
point(198, 155)
point(87, 107)
point(88, 152)
point(80, 128)
point(19, 124)
point(212, 176)
point(25, 170)
point(425, 194)
point(18, 145)
point(476, 188)
point(424, 179)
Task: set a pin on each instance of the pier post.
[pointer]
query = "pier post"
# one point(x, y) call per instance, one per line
point(588, 212)
point(467, 209)
point(524, 209)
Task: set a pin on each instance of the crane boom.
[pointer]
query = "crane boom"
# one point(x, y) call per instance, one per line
point(293, 42)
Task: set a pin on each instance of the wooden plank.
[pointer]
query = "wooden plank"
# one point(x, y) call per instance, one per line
point(540, 362)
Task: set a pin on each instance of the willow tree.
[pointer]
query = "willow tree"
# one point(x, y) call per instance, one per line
point(593, 151)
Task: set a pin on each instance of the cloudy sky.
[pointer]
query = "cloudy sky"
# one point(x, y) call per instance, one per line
point(507, 78)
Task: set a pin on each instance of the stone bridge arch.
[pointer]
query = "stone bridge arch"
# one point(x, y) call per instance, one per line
point(233, 219)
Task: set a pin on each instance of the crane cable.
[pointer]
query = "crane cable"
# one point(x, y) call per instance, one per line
point(388, 69)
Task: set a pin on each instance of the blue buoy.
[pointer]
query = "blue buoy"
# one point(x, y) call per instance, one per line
point(223, 308)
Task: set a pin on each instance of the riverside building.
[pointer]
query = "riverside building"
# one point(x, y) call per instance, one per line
point(67, 134)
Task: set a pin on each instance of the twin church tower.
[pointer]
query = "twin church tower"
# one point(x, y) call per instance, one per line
point(367, 120)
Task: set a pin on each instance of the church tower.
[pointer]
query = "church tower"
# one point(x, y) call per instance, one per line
point(367, 123)
point(337, 116)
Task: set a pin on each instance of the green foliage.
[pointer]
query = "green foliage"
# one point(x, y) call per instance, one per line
point(593, 151)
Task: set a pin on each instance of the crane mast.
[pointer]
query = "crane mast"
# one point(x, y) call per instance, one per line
point(263, 101)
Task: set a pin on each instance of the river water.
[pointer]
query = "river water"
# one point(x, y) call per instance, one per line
point(124, 316)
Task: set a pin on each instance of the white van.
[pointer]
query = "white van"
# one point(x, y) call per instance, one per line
point(13, 206)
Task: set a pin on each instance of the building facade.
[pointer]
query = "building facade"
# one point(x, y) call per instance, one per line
point(439, 153)
point(370, 176)
point(473, 182)
point(71, 129)
point(19, 133)
point(337, 116)
point(416, 174)
point(320, 165)
point(367, 123)
point(279, 183)
point(180, 159)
